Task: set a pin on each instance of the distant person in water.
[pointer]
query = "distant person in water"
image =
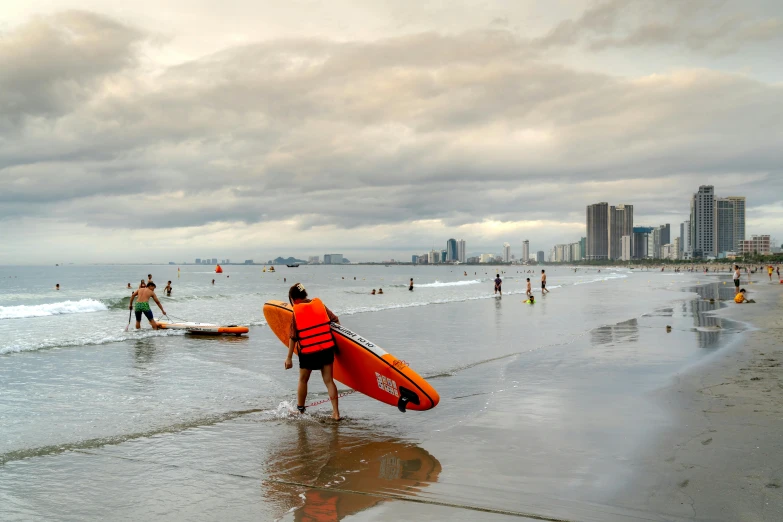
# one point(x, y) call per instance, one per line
point(380, 290)
point(528, 290)
point(311, 337)
point(57, 286)
point(410, 287)
point(168, 289)
point(373, 292)
point(213, 281)
point(142, 284)
point(543, 283)
point(149, 278)
point(129, 285)
point(498, 283)
point(531, 299)
point(142, 297)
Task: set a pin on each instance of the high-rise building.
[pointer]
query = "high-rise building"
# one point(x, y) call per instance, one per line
point(756, 245)
point(703, 222)
point(620, 224)
point(655, 251)
point(198, 260)
point(506, 253)
point(540, 256)
point(433, 257)
point(461, 257)
point(666, 234)
point(335, 259)
point(452, 250)
point(313, 260)
point(597, 232)
point(443, 256)
point(724, 223)
point(486, 258)
point(525, 251)
point(214, 260)
point(685, 241)
point(414, 259)
point(676, 251)
point(641, 236)
point(576, 251)
point(625, 247)
point(582, 248)
point(739, 219)
point(327, 259)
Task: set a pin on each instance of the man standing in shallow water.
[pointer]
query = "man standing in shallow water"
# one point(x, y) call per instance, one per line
point(543, 283)
point(143, 305)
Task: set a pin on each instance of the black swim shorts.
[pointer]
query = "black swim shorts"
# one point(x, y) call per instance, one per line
point(316, 360)
point(147, 313)
point(543, 285)
point(736, 283)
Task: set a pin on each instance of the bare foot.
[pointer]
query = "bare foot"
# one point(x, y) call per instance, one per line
point(336, 417)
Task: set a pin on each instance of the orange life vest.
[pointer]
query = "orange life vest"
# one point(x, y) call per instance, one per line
point(312, 324)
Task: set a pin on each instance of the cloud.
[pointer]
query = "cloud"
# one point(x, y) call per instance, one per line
point(712, 27)
point(403, 137)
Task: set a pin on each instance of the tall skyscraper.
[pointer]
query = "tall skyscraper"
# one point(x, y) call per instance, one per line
point(666, 234)
point(506, 253)
point(739, 220)
point(525, 251)
point(724, 219)
point(620, 224)
point(639, 246)
point(540, 256)
point(597, 232)
point(452, 253)
point(687, 248)
point(703, 222)
point(461, 251)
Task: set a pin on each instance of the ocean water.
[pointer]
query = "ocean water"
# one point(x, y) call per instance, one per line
point(543, 407)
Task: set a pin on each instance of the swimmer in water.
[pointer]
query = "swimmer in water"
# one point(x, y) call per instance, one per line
point(213, 281)
point(142, 284)
point(129, 285)
point(168, 289)
point(373, 292)
point(149, 278)
point(410, 287)
point(57, 286)
point(380, 290)
point(532, 300)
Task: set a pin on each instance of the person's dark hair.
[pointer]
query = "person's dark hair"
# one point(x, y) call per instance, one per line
point(742, 290)
point(297, 291)
point(151, 285)
point(543, 271)
point(497, 275)
point(169, 282)
point(528, 279)
point(149, 275)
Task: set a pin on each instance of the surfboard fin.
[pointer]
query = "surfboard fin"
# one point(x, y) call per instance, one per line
point(406, 396)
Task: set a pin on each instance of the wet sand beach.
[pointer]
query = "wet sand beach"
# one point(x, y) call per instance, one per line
point(579, 408)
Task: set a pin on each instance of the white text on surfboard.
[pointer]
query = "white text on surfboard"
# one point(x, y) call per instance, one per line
point(387, 385)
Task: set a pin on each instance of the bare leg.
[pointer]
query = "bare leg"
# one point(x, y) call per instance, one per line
point(326, 373)
point(301, 390)
point(138, 323)
point(154, 325)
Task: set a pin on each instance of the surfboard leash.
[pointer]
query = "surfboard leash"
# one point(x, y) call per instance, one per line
point(339, 396)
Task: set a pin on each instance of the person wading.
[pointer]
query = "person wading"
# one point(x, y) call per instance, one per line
point(143, 305)
point(311, 337)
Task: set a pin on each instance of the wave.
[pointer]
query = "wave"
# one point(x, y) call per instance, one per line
point(125, 336)
point(43, 310)
point(438, 284)
point(123, 302)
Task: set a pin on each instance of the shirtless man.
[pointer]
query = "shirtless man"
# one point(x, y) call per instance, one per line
point(167, 289)
point(529, 290)
point(543, 283)
point(143, 305)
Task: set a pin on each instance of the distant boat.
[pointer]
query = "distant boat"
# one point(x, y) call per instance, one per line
point(293, 266)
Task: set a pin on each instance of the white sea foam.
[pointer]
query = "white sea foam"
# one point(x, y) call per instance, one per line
point(42, 310)
point(438, 284)
point(97, 339)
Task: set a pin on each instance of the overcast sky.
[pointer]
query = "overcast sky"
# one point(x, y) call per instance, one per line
point(157, 131)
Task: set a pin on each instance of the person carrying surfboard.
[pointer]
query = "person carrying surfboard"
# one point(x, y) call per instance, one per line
point(311, 337)
point(143, 305)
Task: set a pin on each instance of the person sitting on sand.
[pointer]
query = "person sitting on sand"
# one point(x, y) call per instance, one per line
point(311, 337)
point(740, 297)
point(168, 289)
point(373, 292)
point(380, 291)
point(143, 305)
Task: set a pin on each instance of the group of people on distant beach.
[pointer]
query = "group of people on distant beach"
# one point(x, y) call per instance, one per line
point(528, 291)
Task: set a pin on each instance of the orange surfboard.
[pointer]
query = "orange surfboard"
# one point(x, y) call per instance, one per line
point(364, 366)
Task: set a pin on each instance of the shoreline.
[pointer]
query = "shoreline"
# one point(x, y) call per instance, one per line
point(721, 457)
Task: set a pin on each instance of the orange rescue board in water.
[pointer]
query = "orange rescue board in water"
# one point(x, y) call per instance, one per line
point(364, 366)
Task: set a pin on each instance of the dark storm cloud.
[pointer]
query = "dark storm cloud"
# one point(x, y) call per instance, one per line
point(462, 128)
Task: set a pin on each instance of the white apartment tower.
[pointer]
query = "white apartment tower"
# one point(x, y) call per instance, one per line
point(461, 251)
point(525, 251)
point(506, 253)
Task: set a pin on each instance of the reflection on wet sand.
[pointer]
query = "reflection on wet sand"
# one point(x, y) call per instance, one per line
point(339, 471)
